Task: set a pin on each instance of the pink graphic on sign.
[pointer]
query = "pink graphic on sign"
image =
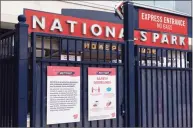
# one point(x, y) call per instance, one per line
point(113, 114)
point(95, 89)
point(75, 116)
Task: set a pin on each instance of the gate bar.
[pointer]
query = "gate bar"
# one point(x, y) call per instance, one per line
point(129, 39)
point(21, 52)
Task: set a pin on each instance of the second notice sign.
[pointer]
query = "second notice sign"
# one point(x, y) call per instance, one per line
point(63, 94)
point(101, 93)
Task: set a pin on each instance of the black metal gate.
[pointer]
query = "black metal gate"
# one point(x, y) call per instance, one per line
point(13, 76)
point(164, 87)
point(148, 94)
point(47, 50)
point(8, 110)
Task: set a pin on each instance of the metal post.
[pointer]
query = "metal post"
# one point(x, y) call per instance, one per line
point(129, 24)
point(21, 54)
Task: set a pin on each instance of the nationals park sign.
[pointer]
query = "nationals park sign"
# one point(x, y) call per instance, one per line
point(171, 31)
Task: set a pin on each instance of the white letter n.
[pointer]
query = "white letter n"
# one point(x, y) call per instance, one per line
point(36, 21)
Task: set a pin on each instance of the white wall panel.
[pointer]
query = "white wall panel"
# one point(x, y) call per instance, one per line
point(11, 9)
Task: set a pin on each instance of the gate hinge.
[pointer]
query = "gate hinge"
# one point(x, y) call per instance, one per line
point(30, 49)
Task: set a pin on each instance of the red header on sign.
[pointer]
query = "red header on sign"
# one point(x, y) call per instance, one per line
point(101, 71)
point(71, 26)
point(63, 71)
point(162, 22)
point(163, 40)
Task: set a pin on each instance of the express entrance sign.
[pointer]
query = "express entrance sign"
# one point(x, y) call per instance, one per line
point(156, 82)
point(158, 21)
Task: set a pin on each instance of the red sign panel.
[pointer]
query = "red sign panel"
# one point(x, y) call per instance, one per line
point(163, 40)
point(151, 20)
point(78, 27)
point(71, 26)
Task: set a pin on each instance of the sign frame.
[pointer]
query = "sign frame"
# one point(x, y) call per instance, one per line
point(56, 88)
point(102, 99)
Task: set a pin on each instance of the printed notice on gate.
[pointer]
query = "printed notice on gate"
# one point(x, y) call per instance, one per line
point(101, 93)
point(63, 94)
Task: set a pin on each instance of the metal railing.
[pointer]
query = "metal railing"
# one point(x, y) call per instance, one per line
point(8, 87)
point(164, 88)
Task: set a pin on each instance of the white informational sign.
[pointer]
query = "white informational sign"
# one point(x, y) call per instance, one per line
point(63, 94)
point(70, 57)
point(101, 93)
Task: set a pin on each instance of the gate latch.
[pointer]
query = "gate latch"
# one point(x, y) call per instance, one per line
point(122, 109)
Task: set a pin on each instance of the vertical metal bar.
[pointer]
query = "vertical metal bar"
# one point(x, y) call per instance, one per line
point(97, 66)
point(162, 89)
point(124, 52)
point(104, 52)
point(59, 41)
point(82, 53)
point(117, 86)
point(51, 52)
point(34, 85)
point(157, 87)
point(3, 88)
point(167, 92)
point(176, 52)
point(43, 86)
point(42, 114)
point(13, 80)
point(6, 87)
point(60, 47)
point(129, 27)
point(22, 66)
point(75, 124)
point(172, 88)
point(186, 97)
point(67, 48)
point(1, 40)
point(42, 47)
point(97, 52)
point(111, 53)
point(152, 89)
point(0, 84)
point(190, 93)
point(1, 99)
point(3, 48)
point(117, 51)
point(6, 84)
point(15, 85)
point(9, 82)
point(75, 52)
point(90, 50)
point(146, 90)
point(140, 88)
point(12, 83)
point(67, 53)
point(181, 90)
point(82, 88)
